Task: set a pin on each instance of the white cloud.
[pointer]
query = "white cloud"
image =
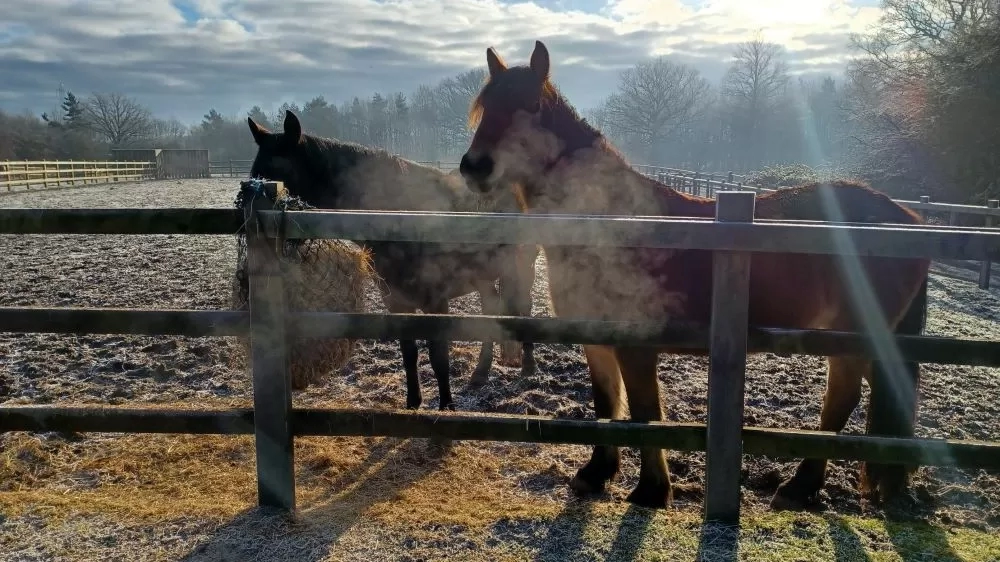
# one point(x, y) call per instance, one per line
point(237, 54)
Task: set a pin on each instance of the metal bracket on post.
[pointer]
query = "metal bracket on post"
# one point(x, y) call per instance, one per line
point(272, 389)
point(727, 366)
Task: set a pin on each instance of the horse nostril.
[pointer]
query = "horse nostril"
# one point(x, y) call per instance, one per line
point(478, 169)
point(464, 166)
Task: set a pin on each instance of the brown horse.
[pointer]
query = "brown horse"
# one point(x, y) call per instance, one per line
point(331, 174)
point(527, 135)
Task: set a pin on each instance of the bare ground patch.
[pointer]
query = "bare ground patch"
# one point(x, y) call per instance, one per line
point(169, 497)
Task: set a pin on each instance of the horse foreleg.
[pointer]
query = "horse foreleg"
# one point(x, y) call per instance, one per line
point(606, 381)
point(408, 349)
point(843, 392)
point(638, 367)
point(438, 351)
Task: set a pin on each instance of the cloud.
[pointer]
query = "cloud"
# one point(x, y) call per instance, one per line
point(183, 57)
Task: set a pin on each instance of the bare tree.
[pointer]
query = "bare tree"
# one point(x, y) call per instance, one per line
point(117, 118)
point(453, 98)
point(753, 86)
point(654, 101)
point(757, 76)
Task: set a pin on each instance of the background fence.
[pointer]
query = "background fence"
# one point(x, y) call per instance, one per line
point(707, 185)
point(727, 337)
point(22, 175)
point(171, 163)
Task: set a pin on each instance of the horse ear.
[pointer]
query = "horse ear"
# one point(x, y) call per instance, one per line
point(259, 133)
point(494, 62)
point(540, 60)
point(293, 129)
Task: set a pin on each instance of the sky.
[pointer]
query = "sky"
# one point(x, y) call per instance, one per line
point(183, 57)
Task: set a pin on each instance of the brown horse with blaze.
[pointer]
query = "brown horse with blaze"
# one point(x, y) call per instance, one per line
point(527, 135)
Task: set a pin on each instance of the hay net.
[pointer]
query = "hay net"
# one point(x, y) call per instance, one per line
point(319, 274)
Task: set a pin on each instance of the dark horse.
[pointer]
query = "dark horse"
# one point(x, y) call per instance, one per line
point(529, 137)
point(330, 174)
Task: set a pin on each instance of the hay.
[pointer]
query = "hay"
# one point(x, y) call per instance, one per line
point(319, 275)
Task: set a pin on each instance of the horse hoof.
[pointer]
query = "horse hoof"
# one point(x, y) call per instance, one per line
point(528, 369)
point(787, 498)
point(652, 496)
point(479, 377)
point(582, 487)
point(412, 405)
point(447, 406)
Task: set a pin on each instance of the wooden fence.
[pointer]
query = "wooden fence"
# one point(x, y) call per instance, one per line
point(26, 174)
point(707, 185)
point(171, 163)
point(731, 236)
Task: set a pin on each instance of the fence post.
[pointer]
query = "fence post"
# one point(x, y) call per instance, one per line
point(231, 172)
point(727, 366)
point(695, 190)
point(924, 199)
point(985, 266)
point(272, 393)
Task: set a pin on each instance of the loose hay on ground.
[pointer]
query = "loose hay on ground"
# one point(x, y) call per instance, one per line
point(319, 275)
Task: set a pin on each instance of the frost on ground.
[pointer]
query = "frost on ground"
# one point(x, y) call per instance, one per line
point(195, 271)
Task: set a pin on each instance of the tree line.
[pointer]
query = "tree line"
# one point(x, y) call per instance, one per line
point(914, 113)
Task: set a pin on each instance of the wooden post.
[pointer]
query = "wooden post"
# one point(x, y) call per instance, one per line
point(985, 266)
point(709, 189)
point(231, 173)
point(272, 391)
point(727, 366)
point(924, 199)
point(695, 190)
point(729, 178)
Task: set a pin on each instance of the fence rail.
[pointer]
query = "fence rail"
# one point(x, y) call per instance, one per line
point(727, 338)
point(26, 175)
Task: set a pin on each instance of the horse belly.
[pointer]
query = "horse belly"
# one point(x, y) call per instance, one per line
point(798, 291)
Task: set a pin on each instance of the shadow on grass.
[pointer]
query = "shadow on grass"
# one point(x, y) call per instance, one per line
point(917, 541)
point(718, 543)
point(565, 537)
point(391, 466)
point(912, 541)
point(632, 530)
point(847, 545)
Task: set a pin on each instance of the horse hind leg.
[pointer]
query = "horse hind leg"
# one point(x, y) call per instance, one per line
point(638, 370)
point(606, 382)
point(892, 407)
point(843, 393)
point(515, 290)
point(489, 298)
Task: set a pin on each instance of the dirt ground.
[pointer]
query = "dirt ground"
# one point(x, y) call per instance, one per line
point(97, 496)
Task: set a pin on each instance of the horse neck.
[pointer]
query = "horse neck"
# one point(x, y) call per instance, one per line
point(596, 180)
point(589, 175)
